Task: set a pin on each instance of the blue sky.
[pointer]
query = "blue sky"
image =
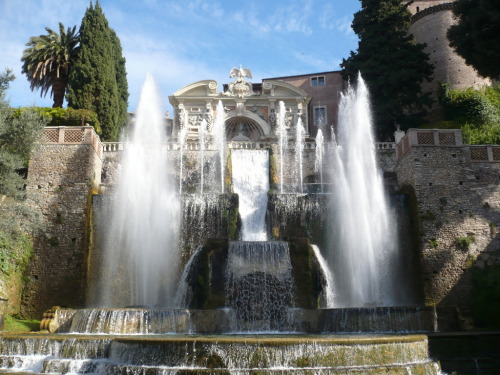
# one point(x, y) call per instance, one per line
point(183, 41)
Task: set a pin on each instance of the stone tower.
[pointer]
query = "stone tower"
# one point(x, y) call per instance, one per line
point(430, 22)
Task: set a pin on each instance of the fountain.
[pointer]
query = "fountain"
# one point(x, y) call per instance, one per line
point(299, 150)
point(258, 300)
point(320, 152)
point(363, 242)
point(142, 219)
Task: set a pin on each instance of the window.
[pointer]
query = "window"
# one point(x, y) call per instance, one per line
point(318, 81)
point(320, 116)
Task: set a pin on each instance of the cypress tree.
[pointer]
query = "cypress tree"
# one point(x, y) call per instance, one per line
point(393, 65)
point(93, 81)
point(121, 78)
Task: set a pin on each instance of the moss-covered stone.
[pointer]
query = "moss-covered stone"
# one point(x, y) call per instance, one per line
point(306, 272)
point(207, 275)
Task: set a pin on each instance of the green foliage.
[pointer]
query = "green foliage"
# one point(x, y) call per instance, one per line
point(13, 324)
point(67, 117)
point(97, 80)
point(427, 215)
point(121, 79)
point(18, 134)
point(5, 78)
point(48, 60)
point(17, 225)
point(20, 129)
point(392, 64)
point(433, 243)
point(486, 294)
point(465, 242)
point(477, 112)
point(480, 135)
point(476, 36)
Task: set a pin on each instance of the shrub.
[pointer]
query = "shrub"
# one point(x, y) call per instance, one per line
point(66, 117)
point(465, 242)
point(477, 112)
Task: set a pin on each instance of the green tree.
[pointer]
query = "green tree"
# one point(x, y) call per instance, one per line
point(393, 65)
point(121, 78)
point(93, 82)
point(18, 134)
point(48, 60)
point(476, 36)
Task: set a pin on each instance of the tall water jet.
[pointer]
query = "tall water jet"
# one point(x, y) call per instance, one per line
point(219, 138)
point(251, 183)
point(203, 128)
point(299, 150)
point(140, 255)
point(364, 238)
point(320, 151)
point(182, 142)
point(282, 139)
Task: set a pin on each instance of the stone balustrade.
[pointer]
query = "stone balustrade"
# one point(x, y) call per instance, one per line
point(484, 153)
point(446, 138)
point(429, 137)
point(73, 135)
point(195, 146)
point(385, 145)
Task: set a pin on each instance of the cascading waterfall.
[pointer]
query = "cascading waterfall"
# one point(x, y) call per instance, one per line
point(219, 139)
point(299, 153)
point(320, 151)
point(364, 239)
point(259, 284)
point(282, 139)
point(329, 287)
point(251, 183)
point(182, 297)
point(140, 256)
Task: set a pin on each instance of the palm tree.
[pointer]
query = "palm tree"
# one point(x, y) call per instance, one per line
point(48, 60)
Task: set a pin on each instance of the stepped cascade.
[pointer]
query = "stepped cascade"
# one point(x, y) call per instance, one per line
point(234, 245)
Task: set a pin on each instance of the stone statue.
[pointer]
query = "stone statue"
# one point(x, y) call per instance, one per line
point(240, 73)
point(398, 134)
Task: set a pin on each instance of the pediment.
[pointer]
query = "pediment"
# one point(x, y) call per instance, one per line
point(201, 88)
point(283, 89)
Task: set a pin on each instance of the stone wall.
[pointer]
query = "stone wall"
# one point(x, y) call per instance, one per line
point(62, 174)
point(457, 195)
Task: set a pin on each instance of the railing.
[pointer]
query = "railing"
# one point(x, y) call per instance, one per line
point(385, 145)
point(72, 136)
point(112, 146)
point(486, 153)
point(428, 137)
point(195, 146)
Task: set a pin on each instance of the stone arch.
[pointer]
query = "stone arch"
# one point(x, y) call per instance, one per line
point(251, 126)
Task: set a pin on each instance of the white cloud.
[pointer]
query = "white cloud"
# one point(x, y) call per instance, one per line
point(329, 20)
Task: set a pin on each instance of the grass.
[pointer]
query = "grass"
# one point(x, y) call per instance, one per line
point(19, 325)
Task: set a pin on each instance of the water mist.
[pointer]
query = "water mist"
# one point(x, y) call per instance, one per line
point(140, 258)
